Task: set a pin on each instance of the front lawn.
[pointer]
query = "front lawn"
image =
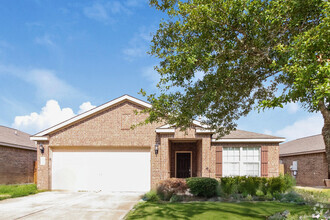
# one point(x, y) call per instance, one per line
point(12, 191)
point(213, 210)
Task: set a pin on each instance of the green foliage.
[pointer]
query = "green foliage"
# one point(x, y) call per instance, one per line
point(256, 186)
point(176, 198)
point(220, 59)
point(202, 186)
point(151, 196)
point(12, 191)
point(248, 198)
point(313, 196)
point(280, 184)
point(292, 196)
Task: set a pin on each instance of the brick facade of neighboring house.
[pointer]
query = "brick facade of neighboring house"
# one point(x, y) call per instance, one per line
point(107, 127)
point(309, 153)
point(17, 156)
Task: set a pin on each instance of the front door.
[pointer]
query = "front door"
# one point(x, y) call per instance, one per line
point(183, 163)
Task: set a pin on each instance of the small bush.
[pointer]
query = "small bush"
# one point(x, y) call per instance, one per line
point(151, 196)
point(292, 197)
point(249, 198)
point(169, 187)
point(202, 186)
point(229, 185)
point(259, 193)
point(176, 198)
point(268, 196)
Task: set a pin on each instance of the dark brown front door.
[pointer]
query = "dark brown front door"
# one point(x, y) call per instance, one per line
point(183, 165)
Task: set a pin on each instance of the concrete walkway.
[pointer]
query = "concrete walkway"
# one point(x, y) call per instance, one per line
point(69, 205)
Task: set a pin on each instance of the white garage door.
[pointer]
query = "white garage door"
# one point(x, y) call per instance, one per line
point(101, 170)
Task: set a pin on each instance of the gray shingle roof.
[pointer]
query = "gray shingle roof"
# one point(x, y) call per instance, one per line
point(15, 138)
point(240, 134)
point(312, 144)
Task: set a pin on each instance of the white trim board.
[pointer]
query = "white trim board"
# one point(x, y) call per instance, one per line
point(245, 140)
point(17, 146)
point(92, 111)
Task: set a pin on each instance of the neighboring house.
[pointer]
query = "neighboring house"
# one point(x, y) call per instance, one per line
point(17, 156)
point(97, 150)
point(307, 159)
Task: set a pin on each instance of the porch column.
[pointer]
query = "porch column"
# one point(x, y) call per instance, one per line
point(206, 156)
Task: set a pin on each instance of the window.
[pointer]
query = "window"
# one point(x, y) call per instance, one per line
point(241, 161)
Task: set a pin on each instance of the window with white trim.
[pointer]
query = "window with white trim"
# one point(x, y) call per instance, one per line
point(241, 161)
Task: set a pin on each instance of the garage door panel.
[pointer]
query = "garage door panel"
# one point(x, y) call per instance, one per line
point(106, 171)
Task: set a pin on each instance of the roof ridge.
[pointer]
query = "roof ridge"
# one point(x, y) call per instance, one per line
point(258, 133)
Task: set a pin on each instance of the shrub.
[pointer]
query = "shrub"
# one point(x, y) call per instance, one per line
point(248, 185)
point(292, 197)
point(229, 185)
point(169, 187)
point(249, 198)
point(202, 186)
point(176, 198)
point(280, 184)
point(151, 196)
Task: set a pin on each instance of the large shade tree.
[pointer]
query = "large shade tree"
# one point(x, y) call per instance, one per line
point(251, 53)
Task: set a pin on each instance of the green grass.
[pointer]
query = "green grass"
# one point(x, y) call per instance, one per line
point(314, 194)
point(13, 191)
point(213, 210)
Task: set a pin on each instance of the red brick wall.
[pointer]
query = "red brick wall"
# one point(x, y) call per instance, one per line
point(16, 165)
point(312, 168)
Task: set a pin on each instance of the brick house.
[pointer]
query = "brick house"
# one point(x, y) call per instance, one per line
point(306, 156)
point(17, 156)
point(97, 150)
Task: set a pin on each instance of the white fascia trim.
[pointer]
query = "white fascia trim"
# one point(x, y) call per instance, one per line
point(165, 126)
point(166, 130)
point(17, 146)
point(37, 138)
point(198, 123)
point(92, 111)
point(204, 131)
point(194, 122)
point(248, 140)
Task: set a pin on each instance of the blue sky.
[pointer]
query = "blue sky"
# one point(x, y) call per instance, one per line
point(60, 58)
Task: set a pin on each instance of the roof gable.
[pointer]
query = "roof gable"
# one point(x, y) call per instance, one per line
point(41, 135)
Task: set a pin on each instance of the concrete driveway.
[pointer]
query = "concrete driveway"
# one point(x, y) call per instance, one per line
point(69, 205)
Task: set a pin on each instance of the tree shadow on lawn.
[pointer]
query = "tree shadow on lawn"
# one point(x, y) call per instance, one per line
point(213, 210)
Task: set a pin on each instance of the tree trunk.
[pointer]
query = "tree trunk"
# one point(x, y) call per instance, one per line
point(326, 131)
point(326, 137)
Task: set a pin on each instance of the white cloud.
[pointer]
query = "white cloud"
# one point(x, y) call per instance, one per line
point(85, 107)
point(292, 107)
point(106, 12)
point(151, 75)
point(45, 40)
point(97, 12)
point(50, 115)
point(48, 85)
point(139, 44)
point(301, 128)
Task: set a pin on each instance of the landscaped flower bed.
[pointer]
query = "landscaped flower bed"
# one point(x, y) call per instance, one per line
point(257, 190)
